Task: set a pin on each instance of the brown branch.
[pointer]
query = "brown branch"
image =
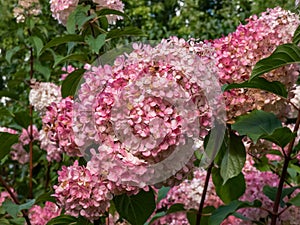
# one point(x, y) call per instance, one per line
point(30, 193)
point(14, 198)
point(201, 206)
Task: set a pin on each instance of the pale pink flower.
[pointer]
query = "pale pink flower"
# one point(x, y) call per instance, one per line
point(140, 110)
point(110, 4)
point(18, 152)
point(26, 8)
point(42, 94)
point(82, 193)
point(61, 9)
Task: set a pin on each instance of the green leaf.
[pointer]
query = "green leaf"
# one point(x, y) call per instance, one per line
point(44, 70)
point(78, 18)
point(232, 189)
point(281, 136)
point(155, 217)
point(63, 220)
point(127, 31)
point(37, 43)
point(162, 193)
point(62, 40)
point(234, 158)
point(224, 211)
point(10, 53)
point(176, 208)
point(296, 36)
point(256, 124)
point(96, 43)
point(271, 193)
point(296, 200)
point(81, 15)
point(4, 221)
point(206, 212)
point(7, 140)
point(136, 208)
point(45, 197)
point(22, 118)
point(70, 84)
point(260, 83)
point(283, 55)
point(107, 11)
point(81, 57)
point(13, 209)
point(9, 95)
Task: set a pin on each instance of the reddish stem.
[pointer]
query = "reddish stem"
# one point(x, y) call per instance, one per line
point(287, 158)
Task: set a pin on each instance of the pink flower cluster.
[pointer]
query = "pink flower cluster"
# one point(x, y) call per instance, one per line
point(188, 193)
point(26, 8)
point(57, 135)
point(145, 108)
point(110, 4)
point(237, 53)
point(3, 196)
point(82, 193)
point(61, 9)
point(41, 215)
point(68, 69)
point(18, 153)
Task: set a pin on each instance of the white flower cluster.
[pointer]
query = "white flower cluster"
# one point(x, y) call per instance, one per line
point(42, 94)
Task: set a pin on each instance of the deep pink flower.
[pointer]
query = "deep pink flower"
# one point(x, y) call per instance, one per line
point(57, 134)
point(41, 215)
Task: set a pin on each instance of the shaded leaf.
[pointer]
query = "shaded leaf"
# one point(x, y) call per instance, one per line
point(70, 84)
point(107, 11)
point(271, 192)
point(75, 57)
point(62, 40)
point(155, 217)
point(256, 124)
point(162, 193)
point(9, 95)
point(260, 83)
point(281, 136)
point(234, 159)
point(22, 118)
point(176, 208)
point(10, 53)
point(63, 220)
point(13, 209)
point(127, 31)
point(7, 140)
point(206, 212)
point(136, 208)
point(44, 70)
point(45, 197)
point(232, 189)
point(96, 43)
point(283, 55)
point(224, 211)
point(296, 36)
point(296, 200)
point(37, 44)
